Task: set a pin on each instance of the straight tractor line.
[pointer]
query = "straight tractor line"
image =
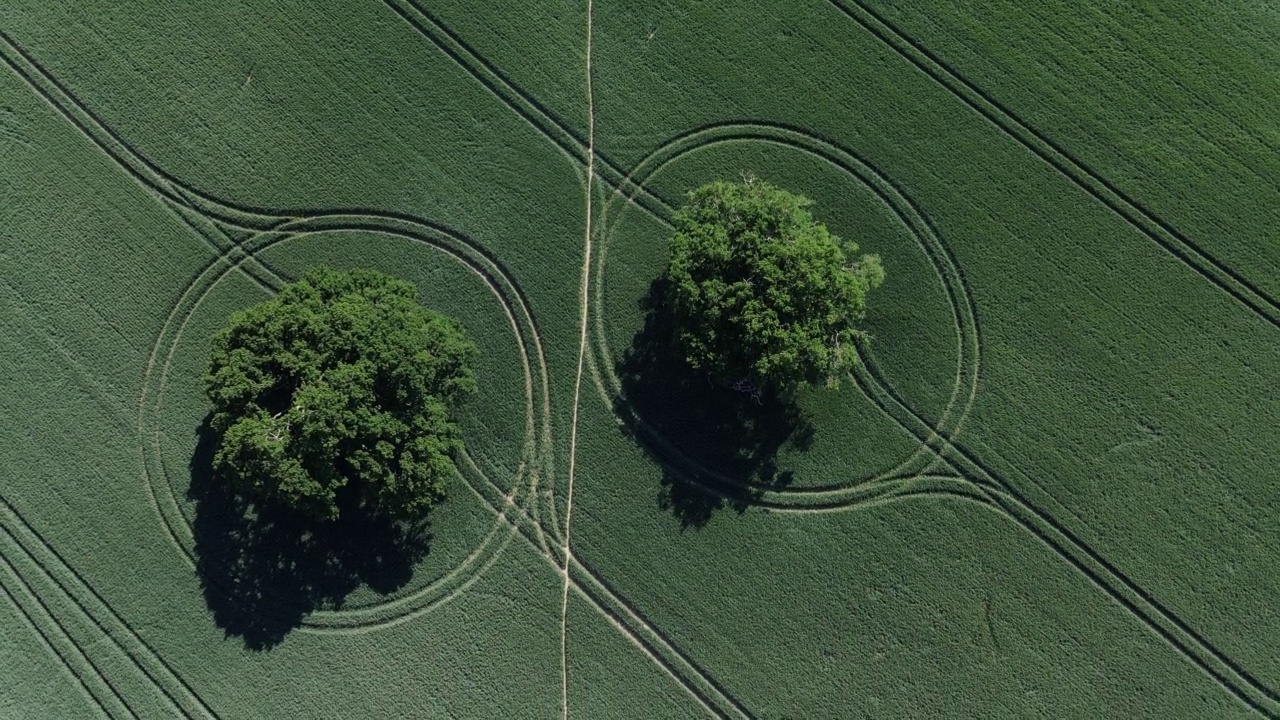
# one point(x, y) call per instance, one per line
point(1159, 231)
point(534, 112)
point(71, 659)
point(1004, 498)
point(171, 194)
point(94, 608)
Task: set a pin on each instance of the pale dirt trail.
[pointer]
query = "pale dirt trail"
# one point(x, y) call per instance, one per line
point(577, 383)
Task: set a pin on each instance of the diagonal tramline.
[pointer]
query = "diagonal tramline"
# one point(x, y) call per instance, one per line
point(1154, 228)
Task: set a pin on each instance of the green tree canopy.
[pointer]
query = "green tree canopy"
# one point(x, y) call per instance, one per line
point(342, 379)
point(762, 292)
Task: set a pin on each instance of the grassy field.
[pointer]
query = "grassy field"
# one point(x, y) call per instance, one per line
point(1049, 490)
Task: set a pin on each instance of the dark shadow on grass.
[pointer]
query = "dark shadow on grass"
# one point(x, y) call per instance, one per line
point(263, 567)
point(717, 447)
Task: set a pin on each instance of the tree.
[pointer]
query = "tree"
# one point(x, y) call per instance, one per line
point(342, 380)
point(761, 292)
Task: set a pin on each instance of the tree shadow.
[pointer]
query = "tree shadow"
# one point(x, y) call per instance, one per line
point(718, 447)
point(264, 567)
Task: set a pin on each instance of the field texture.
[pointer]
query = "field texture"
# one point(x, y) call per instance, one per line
point(1049, 490)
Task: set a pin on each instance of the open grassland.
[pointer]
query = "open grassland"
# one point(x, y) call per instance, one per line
point(1049, 489)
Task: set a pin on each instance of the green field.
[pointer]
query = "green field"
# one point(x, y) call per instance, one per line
point(1051, 488)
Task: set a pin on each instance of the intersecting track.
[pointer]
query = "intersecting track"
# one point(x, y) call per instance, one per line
point(940, 441)
point(569, 141)
point(541, 118)
point(534, 454)
point(652, 641)
point(224, 226)
point(974, 476)
point(219, 223)
point(839, 493)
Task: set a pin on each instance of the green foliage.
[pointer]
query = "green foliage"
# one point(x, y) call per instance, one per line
point(1127, 396)
point(761, 290)
point(341, 378)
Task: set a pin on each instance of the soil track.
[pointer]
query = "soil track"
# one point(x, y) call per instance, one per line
point(584, 310)
point(213, 219)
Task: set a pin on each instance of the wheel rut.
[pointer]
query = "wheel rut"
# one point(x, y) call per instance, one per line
point(217, 222)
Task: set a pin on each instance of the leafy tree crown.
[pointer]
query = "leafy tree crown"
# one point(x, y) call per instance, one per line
point(761, 291)
point(342, 379)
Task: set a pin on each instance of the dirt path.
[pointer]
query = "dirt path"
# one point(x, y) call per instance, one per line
point(577, 383)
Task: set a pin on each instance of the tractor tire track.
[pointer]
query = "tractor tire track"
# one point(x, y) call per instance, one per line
point(1163, 234)
point(491, 271)
point(68, 582)
point(194, 209)
point(1138, 602)
point(532, 111)
point(518, 315)
point(116, 148)
point(657, 649)
point(546, 122)
point(622, 615)
point(1185, 640)
point(954, 284)
point(76, 662)
point(1147, 223)
point(208, 217)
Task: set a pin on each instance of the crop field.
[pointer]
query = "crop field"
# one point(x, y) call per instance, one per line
point(1051, 487)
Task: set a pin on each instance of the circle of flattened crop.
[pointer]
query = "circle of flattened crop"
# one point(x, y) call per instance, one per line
point(522, 494)
point(830, 494)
